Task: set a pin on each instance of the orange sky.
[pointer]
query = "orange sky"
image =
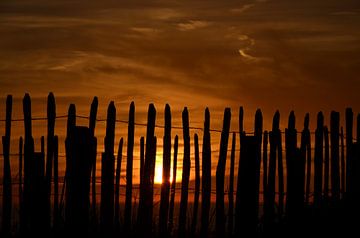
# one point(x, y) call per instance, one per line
point(279, 54)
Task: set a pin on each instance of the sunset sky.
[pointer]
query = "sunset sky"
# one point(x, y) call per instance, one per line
point(268, 54)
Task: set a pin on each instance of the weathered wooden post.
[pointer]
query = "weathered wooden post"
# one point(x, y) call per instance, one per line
point(129, 167)
point(107, 174)
point(220, 174)
point(7, 190)
point(165, 185)
point(56, 213)
point(258, 132)
point(246, 214)
point(28, 156)
point(117, 185)
point(206, 176)
point(92, 124)
point(146, 192)
point(318, 159)
point(231, 186)
point(265, 166)
point(80, 146)
point(185, 175)
point(51, 116)
point(305, 148)
point(326, 164)
point(173, 186)
point(349, 117)
point(335, 170)
point(197, 186)
point(290, 149)
point(21, 198)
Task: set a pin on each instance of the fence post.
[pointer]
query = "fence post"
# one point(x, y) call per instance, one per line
point(145, 203)
point(165, 185)
point(107, 174)
point(220, 174)
point(280, 168)
point(246, 215)
point(358, 128)
point(335, 170)
point(197, 186)
point(342, 160)
point(305, 148)
point(173, 186)
point(185, 174)
point(92, 124)
point(265, 166)
point(51, 115)
point(21, 200)
point(56, 213)
point(290, 150)
point(318, 159)
point(349, 117)
point(117, 185)
point(129, 167)
point(206, 176)
point(326, 164)
point(28, 155)
point(7, 189)
point(231, 186)
point(78, 172)
point(258, 131)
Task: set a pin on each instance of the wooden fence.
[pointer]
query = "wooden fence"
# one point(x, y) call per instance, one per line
point(333, 167)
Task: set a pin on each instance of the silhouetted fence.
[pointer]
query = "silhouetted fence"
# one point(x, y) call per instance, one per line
point(332, 176)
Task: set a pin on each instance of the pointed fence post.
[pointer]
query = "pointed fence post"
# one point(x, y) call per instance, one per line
point(117, 185)
point(197, 187)
point(185, 175)
point(173, 186)
point(305, 148)
point(51, 116)
point(318, 159)
point(231, 186)
point(92, 124)
point(335, 169)
point(142, 159)
point(165, 185)
point(129, 167)
point(107, 174)
point(258, 133)
point(206, 176)
point(7, 188)
point(220, 175)
point(146, 189)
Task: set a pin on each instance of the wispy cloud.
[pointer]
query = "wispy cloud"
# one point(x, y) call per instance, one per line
point(192, 25)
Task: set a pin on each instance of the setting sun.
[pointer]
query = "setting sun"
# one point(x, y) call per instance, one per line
point(158, 174)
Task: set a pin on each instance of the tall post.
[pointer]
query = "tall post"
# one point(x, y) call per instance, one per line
point(7, 190)
point(197, 186)
point(56, 213)
point(107, 173)
point(231, 186)
point(206, 176)
point(326, 163)
point(349, 117)
point(185, 174)
point(335, 168)
point(92, 124)
point(173, 185)
point(305, 148)
point(129, 167)
point(165, 185)
point(265, 165)
point(318, 159)
point(117, 184)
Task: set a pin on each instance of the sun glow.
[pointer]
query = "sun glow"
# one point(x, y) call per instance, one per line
point(159, 171)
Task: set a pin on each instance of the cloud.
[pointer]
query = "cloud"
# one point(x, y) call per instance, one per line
point(192, 25)
point(254, 59)
point(243, 8)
